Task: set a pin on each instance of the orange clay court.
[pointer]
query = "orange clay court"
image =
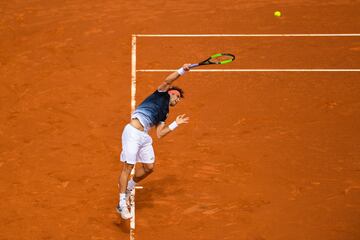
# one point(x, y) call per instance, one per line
point(267, 155)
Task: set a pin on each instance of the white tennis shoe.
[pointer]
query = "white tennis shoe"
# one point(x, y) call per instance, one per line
point(124, 212)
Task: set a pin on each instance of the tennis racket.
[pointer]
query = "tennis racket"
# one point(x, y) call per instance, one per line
point(219, 58)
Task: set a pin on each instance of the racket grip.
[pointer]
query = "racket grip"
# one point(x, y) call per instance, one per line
point(193, 65)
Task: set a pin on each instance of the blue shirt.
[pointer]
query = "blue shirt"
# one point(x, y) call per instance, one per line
point(153, 110)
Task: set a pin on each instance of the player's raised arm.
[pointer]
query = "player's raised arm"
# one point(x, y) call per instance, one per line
point(164, 86)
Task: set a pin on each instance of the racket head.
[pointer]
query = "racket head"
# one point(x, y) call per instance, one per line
point(221, 58)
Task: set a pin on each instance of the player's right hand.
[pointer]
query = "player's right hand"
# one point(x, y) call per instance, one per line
point(186, 66)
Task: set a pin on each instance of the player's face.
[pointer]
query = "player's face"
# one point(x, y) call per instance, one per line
point(174, 98)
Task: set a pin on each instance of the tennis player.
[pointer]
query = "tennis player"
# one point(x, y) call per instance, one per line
point(136, 142)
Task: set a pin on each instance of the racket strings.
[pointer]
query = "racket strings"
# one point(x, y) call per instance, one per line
point(221, 59)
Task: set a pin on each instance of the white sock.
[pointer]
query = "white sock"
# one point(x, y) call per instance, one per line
point(131, 184)
point(122, 201)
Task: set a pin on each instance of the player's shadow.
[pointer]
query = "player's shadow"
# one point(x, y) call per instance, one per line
point(145, 197)
point(123, 225)
point(155, 189)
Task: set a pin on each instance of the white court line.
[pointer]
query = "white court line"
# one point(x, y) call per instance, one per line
point(254, 35)
point(259, 70)
point(132, 212)
point(133, 102)
point(133, 72)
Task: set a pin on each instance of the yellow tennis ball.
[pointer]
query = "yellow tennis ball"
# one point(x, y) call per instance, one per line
point(277, 14)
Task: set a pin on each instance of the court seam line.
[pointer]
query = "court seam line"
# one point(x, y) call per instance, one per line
point(260, 70)
point(254, 35)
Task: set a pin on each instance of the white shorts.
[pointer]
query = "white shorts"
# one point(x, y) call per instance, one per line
point(136, 146)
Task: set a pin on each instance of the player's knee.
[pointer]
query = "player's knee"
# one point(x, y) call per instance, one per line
point(149, 168)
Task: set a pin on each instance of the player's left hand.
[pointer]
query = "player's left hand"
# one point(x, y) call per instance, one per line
point(181, 119)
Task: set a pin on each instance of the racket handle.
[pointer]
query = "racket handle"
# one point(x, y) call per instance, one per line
point(193, 65)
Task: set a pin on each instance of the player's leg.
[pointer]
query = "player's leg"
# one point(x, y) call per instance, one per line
point(122, 207)
point(124, 176)
point(145, 170)
point(147, 158)
point(130, 149)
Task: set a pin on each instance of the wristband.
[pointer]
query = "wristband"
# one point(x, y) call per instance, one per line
point(173, 125)
point(181, 71)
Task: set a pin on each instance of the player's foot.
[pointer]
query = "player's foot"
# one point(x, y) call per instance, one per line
point(124, 212)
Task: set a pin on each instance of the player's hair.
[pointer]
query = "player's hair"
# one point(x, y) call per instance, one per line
point(177, 89)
